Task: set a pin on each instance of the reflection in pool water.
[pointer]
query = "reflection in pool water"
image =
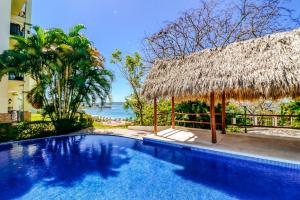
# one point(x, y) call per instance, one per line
point(109, 167)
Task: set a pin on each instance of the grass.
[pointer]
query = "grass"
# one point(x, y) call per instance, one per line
point(39, 117)
point(99, 125)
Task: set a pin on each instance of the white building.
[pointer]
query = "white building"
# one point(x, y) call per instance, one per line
point(15, 19)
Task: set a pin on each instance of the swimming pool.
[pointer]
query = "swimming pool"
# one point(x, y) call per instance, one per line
point(110, 167)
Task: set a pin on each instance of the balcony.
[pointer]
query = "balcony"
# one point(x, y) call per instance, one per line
point(15, 76)
point(15, 29)
point(22, 14)
point(16, 6)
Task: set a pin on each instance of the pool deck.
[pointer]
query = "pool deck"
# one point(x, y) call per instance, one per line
point(265, 146)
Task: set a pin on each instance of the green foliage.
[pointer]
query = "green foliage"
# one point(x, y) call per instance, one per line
point(164, 113)
point(283, 111)
point(233, 129)
point(195, 107)
point(26, 130)
point(296, 124)
point(163, 110)
point(35, 97)
point(293, 108)
point(192, 107)
point(100, 125)
point(7, 132)
point(37, 129)
point(234, 109)
point(39, 117)
point(66, 68)
point(137, 105)
point(131, 68)
point(80, 121)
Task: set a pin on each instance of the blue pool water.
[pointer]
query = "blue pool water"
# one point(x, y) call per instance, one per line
point(109, 167)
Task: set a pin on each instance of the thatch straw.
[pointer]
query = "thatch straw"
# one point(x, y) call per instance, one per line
point(267, 67)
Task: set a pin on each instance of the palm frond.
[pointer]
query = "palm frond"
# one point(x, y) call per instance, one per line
point(74, 31)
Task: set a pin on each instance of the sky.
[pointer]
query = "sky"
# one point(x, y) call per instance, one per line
point(113, 24)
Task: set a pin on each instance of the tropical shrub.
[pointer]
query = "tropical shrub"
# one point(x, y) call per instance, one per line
point(37, 129)
point(26, 130)
point(196, 107)
point(66, 68)
point(131, 68)
point(163, 112)
point(34, 129)
point(7, 132)
point(293, 108)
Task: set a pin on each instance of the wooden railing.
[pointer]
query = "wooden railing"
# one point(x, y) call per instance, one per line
point(241, 120)
point(273, 121)
point(196, 114)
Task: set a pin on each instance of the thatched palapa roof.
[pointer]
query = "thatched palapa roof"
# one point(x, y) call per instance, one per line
point(266, 67)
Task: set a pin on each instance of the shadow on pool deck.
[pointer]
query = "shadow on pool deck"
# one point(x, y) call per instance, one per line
point(273, 147)
point(52, 161)
point(283, 148)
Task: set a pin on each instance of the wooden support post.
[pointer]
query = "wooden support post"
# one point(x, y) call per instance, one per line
point(223, 113)
point(173, 113)
point(245, 118)
point(233, 120)
point(255, 121)
point(275, 121)
point(213, 118)
point(155, 117)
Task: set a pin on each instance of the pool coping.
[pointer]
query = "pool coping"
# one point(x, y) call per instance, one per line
point(223, 152)
point(197, 148)
point(71, 134)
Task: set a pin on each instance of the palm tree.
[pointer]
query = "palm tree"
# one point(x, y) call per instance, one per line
point(66, 68)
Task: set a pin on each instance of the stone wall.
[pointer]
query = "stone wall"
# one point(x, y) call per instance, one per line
point(27, 116)
point(5, 117)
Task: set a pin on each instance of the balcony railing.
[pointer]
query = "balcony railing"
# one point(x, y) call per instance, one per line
point(15, 77)
point(15, 29)
point(22, 14)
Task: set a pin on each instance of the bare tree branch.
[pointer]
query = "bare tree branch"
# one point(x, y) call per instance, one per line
point(218, 23)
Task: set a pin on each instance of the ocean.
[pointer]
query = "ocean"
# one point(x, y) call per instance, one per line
point(115, 112)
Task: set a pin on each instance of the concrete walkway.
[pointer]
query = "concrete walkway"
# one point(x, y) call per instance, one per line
point(280, 132)
point(135, 134)
point(277, 148)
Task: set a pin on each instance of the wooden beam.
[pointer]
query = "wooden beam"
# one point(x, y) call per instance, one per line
point(223, 113)
point(196, 122)
point(213, 118)
point(197, 114)
point(173, 113)
point(155, 117)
